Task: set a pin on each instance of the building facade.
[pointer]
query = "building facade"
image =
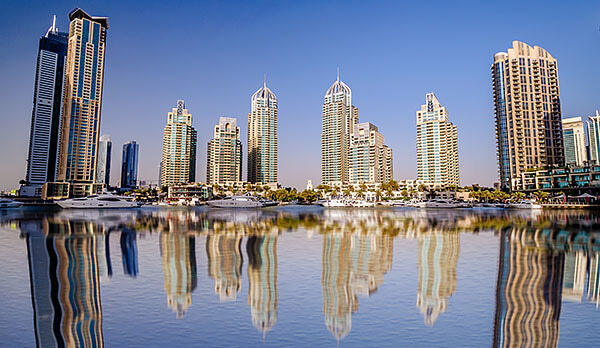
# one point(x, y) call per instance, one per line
point(593, 126)
point(129, 164)
point(527, 111)
point(82, 102)
point(574, 141)
point(437, 145)
point(370, 159)
point(178, 164)
point(262, 137)
point(224, 153)
point(104, 158)
point(47, 107)
point(339, 118)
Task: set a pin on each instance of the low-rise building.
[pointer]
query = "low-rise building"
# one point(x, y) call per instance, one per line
point(190, 191)
point(562, 178)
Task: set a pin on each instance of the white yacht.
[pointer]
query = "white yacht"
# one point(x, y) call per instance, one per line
point(438, 203)
point(524, 204)
point(9, 203)
point(334, 203)
point(238, 202)
point(101, 201)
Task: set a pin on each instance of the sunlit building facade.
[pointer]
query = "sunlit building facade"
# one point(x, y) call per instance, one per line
point(593, 127)
point(104, 158)
point(262, 137)
point(178, 164)
point(527, 112)
point(178, 253)
point(224, 153)
point(82, 103)
point(370, 159)
point(339, 118)
point(437, 145)
point(574, 141)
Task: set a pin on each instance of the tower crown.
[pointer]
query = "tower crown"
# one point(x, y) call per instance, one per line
point(264, 93)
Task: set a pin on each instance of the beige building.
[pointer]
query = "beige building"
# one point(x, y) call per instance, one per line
point(339, 118)
point(82, 101)
point(574, 141)
point(178, 165)
point(593, 126)
point(370, 159)
point(262, 137)
point(437, 145)
point(224, 153)
point(527, 112)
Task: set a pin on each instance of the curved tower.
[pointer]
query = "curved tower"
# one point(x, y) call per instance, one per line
point(262, 137)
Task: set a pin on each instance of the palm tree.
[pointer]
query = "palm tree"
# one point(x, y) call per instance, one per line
point(541, 196)
point(377, 195)
point(518, 196)
point(360, 193)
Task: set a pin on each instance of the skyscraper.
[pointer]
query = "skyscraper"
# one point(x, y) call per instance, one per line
point(437, 145)
point(104, 158)
point(129, 165)
point(593, 126)
point(224, 153)
point(527, 112)
point(82, 103)
point(262, 137)
point(339, 118)
point(574, 141)
point(178, 163)
point(370, 159)
point(45, 117)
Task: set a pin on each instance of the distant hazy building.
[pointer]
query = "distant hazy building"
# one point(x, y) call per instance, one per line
point(104, 158)
point(129, 164)
point(262, 137)
point(370, 158)
point(527, 108)
point(574, 141)
point(339, 118)
point(224, 153)
point(45, 117)
point(593, 126)
point(437, 145)
point(178, 164)
point(82, 103)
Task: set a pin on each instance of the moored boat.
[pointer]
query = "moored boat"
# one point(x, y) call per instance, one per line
point(438, 203)
point(100, 201)
point(9, 203)
point(238, 202)
point(524, 204)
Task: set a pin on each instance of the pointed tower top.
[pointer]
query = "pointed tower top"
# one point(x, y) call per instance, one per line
point(265, 81)
point(338, 74)
point(54, 24)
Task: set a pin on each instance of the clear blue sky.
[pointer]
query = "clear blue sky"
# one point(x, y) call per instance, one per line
point(214, 54)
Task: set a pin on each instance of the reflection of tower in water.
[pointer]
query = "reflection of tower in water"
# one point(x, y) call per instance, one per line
point(225, 264)
point(528, 293)
point(262, 276)
point(594, 280)
point(436, 261)
point(574, 276)
point(65, 286)
point(353, 264)
point(179, 268)
point(129, 253)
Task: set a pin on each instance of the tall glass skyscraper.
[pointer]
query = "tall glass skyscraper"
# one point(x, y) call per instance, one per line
point(82, 103)
point(339, 118)
point(129, 164)
point(178, 163)
point(262, 137)
point(574, 140)
point(528, 115)
point(45, 118)
point(104, 158)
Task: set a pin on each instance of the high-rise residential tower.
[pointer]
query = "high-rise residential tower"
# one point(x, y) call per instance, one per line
point(262, 137)
point(224, 153)
point(104, 158)
point(437, 145)
point(370, 158)
point(339, 118)
point(47, 104)
point(527, 112)
point(129, 166)
point(178, 163)
point(593, 126)
point(82, 102)
point(574, 141)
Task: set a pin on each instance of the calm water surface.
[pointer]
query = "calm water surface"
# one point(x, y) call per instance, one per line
point(299, 277)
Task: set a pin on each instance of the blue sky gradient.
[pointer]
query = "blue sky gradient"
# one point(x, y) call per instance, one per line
point(214, 54)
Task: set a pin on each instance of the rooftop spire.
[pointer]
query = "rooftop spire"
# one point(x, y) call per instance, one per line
point(338, 74)
point(265, 81)
point(54, 24)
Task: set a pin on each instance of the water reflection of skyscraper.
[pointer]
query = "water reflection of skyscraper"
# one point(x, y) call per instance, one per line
point(353, 264)
point(528, 293)
point(225, 264)
point(437, 259)
point(65, 286)
point(178, 254)
point(262, 276)
point(129, 252)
